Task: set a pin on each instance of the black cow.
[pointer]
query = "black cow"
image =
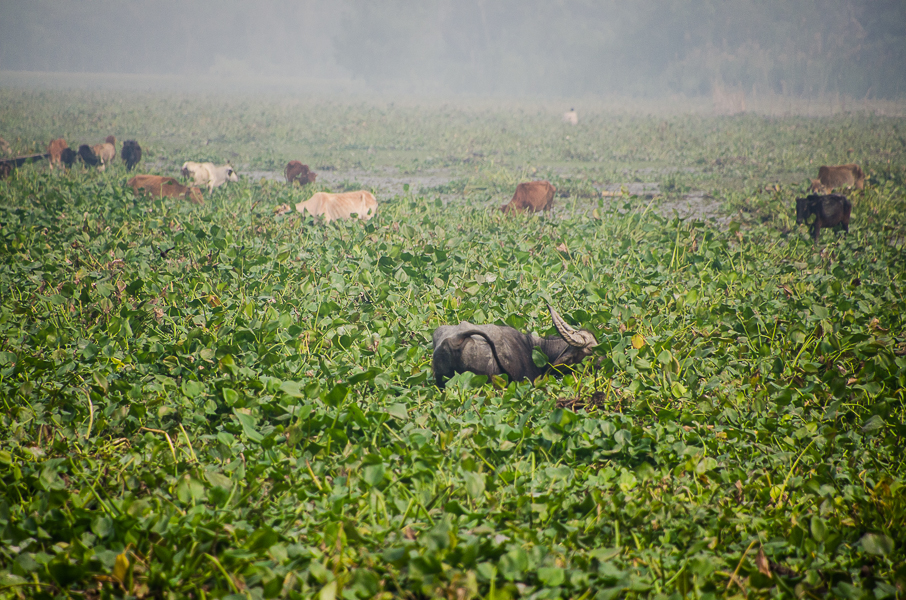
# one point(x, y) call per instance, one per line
point(131, 154)
point(829, 210)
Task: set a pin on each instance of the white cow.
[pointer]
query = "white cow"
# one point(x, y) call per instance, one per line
point(571, 117)
point(209, 174)
point(340, 206)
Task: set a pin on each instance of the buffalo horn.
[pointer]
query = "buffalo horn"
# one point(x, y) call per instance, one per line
point(576, 339)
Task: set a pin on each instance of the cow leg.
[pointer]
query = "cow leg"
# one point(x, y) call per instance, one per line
point(816, 230)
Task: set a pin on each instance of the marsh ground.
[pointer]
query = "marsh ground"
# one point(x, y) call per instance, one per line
point(217, 401)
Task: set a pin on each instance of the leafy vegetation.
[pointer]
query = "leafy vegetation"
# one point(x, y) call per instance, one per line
point(217, 401)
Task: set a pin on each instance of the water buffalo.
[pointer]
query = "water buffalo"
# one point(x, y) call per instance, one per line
point(495, 350)
point(828, 210)
point(831, 178)
point(131, 154)
point(532, 196)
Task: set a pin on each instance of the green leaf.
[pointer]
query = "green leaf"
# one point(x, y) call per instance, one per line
point(474, 484)
point(552, 576)
point(336, 395)
point(373, 474)
point(230, 397)
point(539, 358)
point(248, 426)
point(292, 388)
point(818, 529)
point(192, 388)
point(366, 376)
point(878, 544)
point(398, 411)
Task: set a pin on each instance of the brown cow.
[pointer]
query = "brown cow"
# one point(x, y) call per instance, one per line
point(159, 186)
point(55, 149)
point(531, 196)
point(830, 178)
point(340, 206)
point(296, 171)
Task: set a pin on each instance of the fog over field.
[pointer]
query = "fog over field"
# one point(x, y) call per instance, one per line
point(646, 48)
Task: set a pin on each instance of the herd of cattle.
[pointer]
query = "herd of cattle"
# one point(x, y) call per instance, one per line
point(829, 209)
point(489, 350)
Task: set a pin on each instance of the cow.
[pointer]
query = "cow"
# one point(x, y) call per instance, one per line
point(88, 156)
point(68, 156)
point(55, 149)
point(105, 152)
point(571, 117)
point(839, 176)
point(8, 165)
point(159, 186)
point(828, 210)
point(495, 350)
point(131, 154)
point(340, 206)
point(531, 196)
point(208, 174)
point(5, 149)
point(296, 171)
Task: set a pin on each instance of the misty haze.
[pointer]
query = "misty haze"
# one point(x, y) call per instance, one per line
point(506, 47)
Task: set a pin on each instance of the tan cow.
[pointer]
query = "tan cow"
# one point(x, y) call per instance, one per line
point(340, 206)
point(105, 152)
point(55, 149)
point(830, 178)
point(159, 186)
point(296, 171)
point(532, 196)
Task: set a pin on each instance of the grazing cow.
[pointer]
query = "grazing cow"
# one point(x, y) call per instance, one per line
point(131, 154)
point(495, 350)
point(105, 152)
point(68, 157)
point(159, 186)
point(4, 147)
point(571, 117)
point(296, 171)
point(208, 174)
point(531, 196)
point(340, 206)
point(828, 210)
point(8, 165)
point(88, 156)
point(55, 149)
point(830, 178)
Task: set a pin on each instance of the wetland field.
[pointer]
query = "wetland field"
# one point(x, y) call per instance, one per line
point(222, 401)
